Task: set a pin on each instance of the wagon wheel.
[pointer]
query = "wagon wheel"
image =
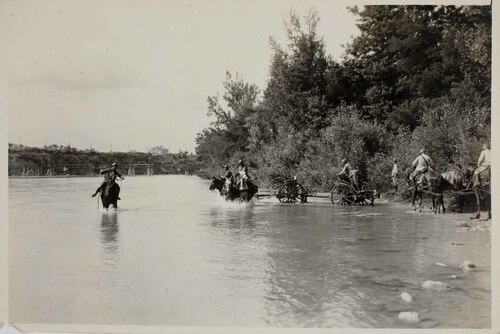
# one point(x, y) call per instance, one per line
point(346, 193)
point(291, 193)
point(282, 194)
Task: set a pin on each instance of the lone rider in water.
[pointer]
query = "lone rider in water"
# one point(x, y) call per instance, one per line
point(110, 175)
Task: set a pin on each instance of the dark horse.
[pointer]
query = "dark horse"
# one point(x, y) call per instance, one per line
point(464, 182)
point(109, 195)
point(429, 182)
point(243, 190)
point(457, 181)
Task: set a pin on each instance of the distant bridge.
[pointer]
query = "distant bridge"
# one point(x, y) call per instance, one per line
point(139, 168)
point(148, 168)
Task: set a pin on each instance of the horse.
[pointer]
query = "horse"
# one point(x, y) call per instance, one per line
point(244, 190)
point(428, 182)
point(457, 181)
point(109, 196)
point(466, 182)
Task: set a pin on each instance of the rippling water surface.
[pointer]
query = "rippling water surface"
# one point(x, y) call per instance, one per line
point(176, 254)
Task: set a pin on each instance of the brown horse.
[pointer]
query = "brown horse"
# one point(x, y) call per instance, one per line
point(429, 182)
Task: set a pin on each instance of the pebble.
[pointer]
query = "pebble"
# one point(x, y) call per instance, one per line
point(467, 265)
point(436, 286)
point(453, 276)
point(412, 317)
point(405, 296)
point(441, 264)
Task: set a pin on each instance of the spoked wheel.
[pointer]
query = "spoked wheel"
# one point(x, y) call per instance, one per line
point(342, 194)
point(291, 193)
point(282, 194)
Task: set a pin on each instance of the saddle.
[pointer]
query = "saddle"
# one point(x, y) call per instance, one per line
point(483, 178)
point(420, 178)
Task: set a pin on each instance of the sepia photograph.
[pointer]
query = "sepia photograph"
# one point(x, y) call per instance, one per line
point(278, 164)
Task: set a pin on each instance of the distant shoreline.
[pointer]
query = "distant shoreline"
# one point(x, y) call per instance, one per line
point(74, 176)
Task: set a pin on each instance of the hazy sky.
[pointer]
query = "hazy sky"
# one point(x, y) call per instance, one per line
point(137, 73)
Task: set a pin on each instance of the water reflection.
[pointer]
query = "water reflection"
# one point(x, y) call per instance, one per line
point(237, 217)
point(110, 237)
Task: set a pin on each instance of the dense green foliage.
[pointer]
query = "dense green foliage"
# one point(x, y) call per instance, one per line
point(416, 76)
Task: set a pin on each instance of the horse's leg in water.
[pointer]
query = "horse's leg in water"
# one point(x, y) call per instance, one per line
point(488, 204)
point(478, 203)
point(413, 201)
point(420, 195)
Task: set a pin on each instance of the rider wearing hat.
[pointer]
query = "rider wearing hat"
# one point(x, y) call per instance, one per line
point(228, 178)
point(421, 165)
point(348, 173)
point(242, 169)
point(110, 175)
point(483, 165)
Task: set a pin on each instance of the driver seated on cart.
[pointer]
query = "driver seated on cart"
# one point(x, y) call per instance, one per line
point(348, 174)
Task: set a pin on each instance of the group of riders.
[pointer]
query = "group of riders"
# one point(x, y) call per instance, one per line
point(241, 180)
point(422, 164)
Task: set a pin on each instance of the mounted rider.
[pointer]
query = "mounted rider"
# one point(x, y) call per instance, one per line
point(245, 181)
point(348, 173)
point(110, 175)
point(421, 165)
point(483, 169)
point(228, 179)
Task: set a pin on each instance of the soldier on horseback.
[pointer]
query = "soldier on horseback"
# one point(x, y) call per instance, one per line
point(110, 175)
point(228, 180)
point(421, 165)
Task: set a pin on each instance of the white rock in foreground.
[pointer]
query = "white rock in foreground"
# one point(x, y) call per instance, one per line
point(435, 286)
point(405, 296)
point(412, 317)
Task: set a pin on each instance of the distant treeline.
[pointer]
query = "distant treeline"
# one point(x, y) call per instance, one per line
point(416, 77)
point(64, 160)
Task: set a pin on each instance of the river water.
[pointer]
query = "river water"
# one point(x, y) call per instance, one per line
point(177, 254)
